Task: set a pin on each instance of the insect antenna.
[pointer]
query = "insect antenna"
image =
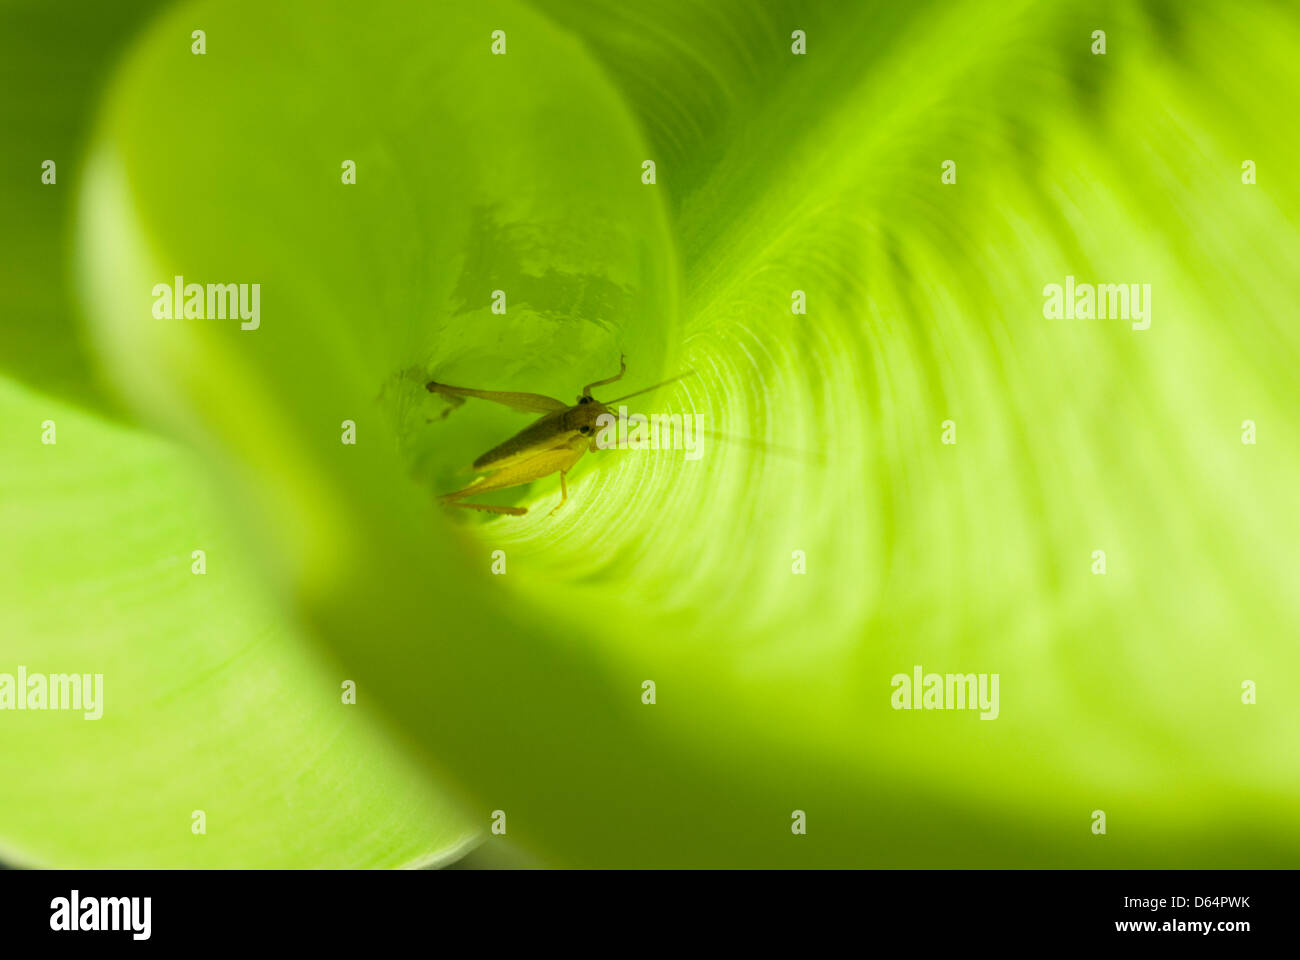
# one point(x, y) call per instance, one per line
point(663, 383)
point(793, 453)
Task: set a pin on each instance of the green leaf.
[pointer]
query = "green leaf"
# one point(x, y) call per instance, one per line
point(775, 173)
point(52, 59)
point(211, 700)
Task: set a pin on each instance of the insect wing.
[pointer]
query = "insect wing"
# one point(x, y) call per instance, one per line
point(539, 435)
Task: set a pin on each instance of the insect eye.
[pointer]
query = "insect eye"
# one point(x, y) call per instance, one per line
point(584, 430)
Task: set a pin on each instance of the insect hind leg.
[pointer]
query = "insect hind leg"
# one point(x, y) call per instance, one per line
point(453, 399)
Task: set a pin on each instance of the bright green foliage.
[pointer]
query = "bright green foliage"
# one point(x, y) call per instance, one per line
point(775, 172)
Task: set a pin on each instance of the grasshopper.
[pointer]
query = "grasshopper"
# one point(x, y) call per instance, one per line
point(555, 442)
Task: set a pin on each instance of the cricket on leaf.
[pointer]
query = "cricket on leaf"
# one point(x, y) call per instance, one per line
point(555, 442)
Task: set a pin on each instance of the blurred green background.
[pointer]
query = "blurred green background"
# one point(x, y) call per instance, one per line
point(775, 172)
